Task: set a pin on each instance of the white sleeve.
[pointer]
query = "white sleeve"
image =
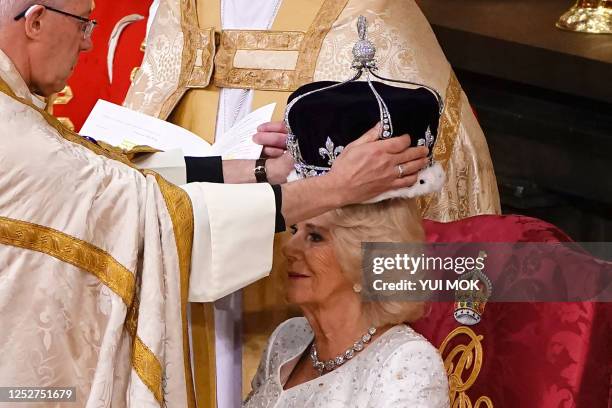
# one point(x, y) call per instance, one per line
point(170, 165)
point(413, 376)
point(233, 237)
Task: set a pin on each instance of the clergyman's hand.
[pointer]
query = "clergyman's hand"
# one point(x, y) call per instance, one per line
point(273, 137)
point(369, 167)
point(366, 168)
point(279, 168)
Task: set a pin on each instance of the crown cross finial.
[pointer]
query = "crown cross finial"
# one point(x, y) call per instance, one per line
point(362, 28)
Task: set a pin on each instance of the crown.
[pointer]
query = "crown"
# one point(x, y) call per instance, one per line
point(323, 117)
point(470, 304)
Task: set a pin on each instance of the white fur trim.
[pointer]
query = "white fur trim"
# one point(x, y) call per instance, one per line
point(430, 180)
point(293, 176)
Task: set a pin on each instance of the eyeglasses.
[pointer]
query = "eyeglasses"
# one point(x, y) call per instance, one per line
point(87, 25)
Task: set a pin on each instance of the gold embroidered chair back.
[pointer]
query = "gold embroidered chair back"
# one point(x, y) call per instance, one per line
point(463, 357)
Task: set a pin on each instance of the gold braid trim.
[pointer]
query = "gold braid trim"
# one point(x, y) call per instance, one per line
point(131, 319)
point(148, 368)
point(102, 265)
point(180, 209)
point(99, 263)
point(313, 40)
point(204, 353)
point(132, 153)
point(192, 36)
point(449, 123)
point(307, 43)
point(71, 250)
point(447, 133)
point(144, 362)
point(228, 76)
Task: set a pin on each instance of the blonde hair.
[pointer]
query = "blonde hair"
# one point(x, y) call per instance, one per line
point(396, 220)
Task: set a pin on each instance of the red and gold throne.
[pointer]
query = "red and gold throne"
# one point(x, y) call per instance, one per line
point(527, 355)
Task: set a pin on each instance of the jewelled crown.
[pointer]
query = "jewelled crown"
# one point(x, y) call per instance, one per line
point(324, 117)
point(470, 304)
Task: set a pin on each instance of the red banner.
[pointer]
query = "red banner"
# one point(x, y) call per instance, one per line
point(91, 80)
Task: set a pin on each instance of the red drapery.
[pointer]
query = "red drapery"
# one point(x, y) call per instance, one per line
point(91, 81)
point(540, 355)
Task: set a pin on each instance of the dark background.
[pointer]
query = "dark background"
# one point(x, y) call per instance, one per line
point(543, 97)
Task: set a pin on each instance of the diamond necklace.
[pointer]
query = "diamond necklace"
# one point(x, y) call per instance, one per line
point(330, 365)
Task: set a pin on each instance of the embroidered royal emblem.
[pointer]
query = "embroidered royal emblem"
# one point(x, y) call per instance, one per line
point(470, 304)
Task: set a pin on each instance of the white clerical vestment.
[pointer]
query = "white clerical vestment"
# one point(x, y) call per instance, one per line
point(94, 270)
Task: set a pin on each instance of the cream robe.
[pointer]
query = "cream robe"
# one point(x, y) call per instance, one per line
point(95, 258)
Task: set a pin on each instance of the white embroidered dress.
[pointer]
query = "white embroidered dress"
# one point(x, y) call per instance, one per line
point(398, 369)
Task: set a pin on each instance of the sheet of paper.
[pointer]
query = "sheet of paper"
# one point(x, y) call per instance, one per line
point(125, 128)
point(237, 143)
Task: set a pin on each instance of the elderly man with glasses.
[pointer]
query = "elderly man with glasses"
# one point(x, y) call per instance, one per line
point(87, 25)
point(97, 257)
point(50, 60)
